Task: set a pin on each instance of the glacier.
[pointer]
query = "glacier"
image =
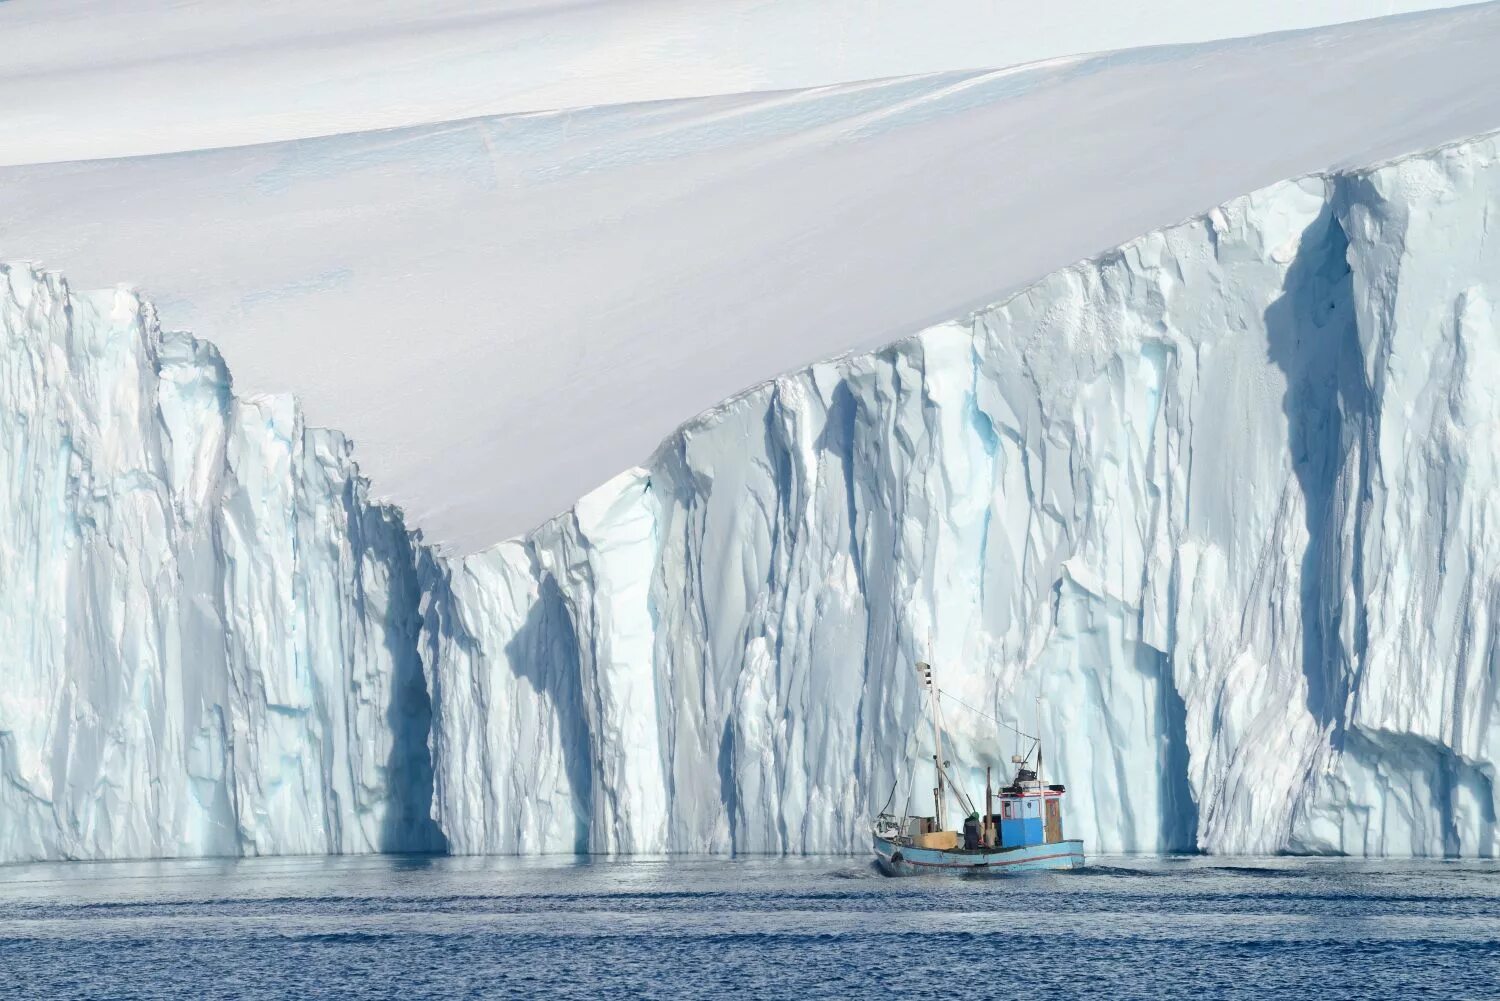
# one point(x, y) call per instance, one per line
point(87, 80)
point(210, 631)
point(558, 292)
point(1219, 497)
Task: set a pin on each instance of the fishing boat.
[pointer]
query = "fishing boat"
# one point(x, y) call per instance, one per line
point(1020, 830)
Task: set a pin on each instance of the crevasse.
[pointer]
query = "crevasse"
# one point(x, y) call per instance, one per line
point(1222, 497)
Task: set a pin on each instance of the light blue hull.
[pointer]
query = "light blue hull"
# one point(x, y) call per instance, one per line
point(905, 860)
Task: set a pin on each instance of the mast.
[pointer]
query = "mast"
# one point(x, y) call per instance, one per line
point(989, 811)
point(925, 670)
point(1041, 790)
point(1039, 742)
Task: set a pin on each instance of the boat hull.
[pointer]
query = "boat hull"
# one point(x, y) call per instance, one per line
point(907, 860)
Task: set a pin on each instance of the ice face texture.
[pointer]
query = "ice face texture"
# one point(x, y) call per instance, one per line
point(210, 638)
point(1223, 497)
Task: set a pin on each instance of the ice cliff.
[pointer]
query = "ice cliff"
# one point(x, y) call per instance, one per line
point(208, 638)
point(1223, 497)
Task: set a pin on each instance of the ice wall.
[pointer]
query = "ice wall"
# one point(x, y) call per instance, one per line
point(1222, 497)
point(1404, 641)
point(208, 638)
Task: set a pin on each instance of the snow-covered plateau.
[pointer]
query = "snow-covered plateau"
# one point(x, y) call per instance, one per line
point(95, 78)
point(1224, 497)
point(503, 312)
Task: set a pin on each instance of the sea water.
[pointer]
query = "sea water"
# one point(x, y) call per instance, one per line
point(420, 927)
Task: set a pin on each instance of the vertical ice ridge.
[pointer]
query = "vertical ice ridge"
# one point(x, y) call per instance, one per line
point(1222, 496)
point(1416, 772)
point(1219, 495)
point(211, 640)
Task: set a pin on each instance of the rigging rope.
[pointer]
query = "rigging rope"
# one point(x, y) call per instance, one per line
point(986, 715)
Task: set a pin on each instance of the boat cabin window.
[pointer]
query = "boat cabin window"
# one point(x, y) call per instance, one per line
point(1007, 810)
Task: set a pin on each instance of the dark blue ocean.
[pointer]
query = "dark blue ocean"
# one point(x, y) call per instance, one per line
point(417, 927)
